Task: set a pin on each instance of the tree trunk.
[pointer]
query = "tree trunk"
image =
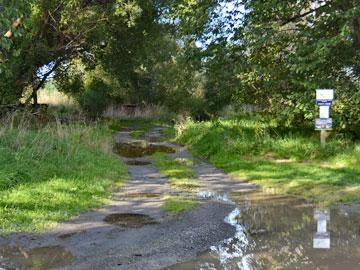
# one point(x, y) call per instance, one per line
point(35, 98)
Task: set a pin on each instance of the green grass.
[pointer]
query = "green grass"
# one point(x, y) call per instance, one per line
point(250, 148)
point(141, 124)
point(50, 174)
point(178, 170)
point(169, 133)
point(178, 204)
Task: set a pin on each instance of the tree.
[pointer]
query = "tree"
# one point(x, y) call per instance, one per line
point(284, 50)
point(300, 46)
point(54, 34)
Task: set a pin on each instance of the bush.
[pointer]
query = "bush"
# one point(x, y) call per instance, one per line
point(95, 98)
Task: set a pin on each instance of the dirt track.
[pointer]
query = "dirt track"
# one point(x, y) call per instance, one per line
point(89, 242)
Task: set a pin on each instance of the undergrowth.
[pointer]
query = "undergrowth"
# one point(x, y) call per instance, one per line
point(51, 173)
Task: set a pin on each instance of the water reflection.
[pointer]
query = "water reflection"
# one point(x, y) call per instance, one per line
point(322, 236)
point(43, 258)
point(233, 247)
point(279, 232)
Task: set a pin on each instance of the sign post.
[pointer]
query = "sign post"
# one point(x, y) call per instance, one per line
point(324, 99)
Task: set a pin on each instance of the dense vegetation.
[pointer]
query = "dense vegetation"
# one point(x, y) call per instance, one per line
point(191, 56)
point(52, 173)
point(251, 148)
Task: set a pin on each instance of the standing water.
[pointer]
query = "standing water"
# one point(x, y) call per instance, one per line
point(279, 232)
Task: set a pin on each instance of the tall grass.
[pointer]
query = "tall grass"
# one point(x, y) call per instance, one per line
point(149, 112)
point(53, 172)
point(51, 96)
point(288, 161)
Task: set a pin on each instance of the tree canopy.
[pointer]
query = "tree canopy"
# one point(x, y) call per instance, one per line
point(197, 56)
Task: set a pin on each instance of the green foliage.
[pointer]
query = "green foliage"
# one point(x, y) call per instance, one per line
point(297, 47)
point(251, 148)
point(95, 98)
point(53, 173)
point(276, 54)
point(272, 54)
point(54, 35)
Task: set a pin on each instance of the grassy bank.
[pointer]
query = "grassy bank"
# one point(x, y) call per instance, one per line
point(53, 173)
point(287, 161)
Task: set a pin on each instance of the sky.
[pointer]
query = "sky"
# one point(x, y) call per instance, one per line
point(230, 21)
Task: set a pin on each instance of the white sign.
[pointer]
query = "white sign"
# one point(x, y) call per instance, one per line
point(323, 124)
point(325, 94)
point(321, 240)
point(324, 112)
point(321, 237)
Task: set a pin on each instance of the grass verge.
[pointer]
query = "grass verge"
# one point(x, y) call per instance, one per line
point(250, 148)
point(178, 204)
point(178, 170)
point(50, 174)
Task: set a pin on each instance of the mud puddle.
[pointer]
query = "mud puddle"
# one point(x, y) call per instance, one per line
point(280, 232)
point(67, 235)
point(155, 139)
point(138, 163)
point(37, 258)
point(133, 150)
point(142, 195)
point(131, 220)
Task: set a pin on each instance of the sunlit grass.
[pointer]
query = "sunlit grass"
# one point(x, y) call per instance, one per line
point(51, 96)
point(51, 174)
point(178, 204)
point(179, 172)
point(251, 149)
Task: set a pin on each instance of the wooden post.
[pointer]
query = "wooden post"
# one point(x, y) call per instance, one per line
point(323, 138)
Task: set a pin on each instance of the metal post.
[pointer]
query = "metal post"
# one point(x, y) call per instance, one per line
point(323, 138)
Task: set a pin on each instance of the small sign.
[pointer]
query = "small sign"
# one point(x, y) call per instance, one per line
point(324, 97)
point(321, 237)
point(324, 124)
point(324, 102)
point(324, 112)
point(321, 240)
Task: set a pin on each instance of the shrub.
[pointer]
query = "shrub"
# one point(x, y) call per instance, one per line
point(95, 98)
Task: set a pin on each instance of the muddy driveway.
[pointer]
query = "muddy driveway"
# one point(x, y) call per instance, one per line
point(234, 226)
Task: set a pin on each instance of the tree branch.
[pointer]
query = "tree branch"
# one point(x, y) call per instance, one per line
point(301, 15)
point(47, 74)
point(44, 78)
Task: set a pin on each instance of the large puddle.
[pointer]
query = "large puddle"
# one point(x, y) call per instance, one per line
point(132, 220)
point(43, 258)
point(279, 232)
